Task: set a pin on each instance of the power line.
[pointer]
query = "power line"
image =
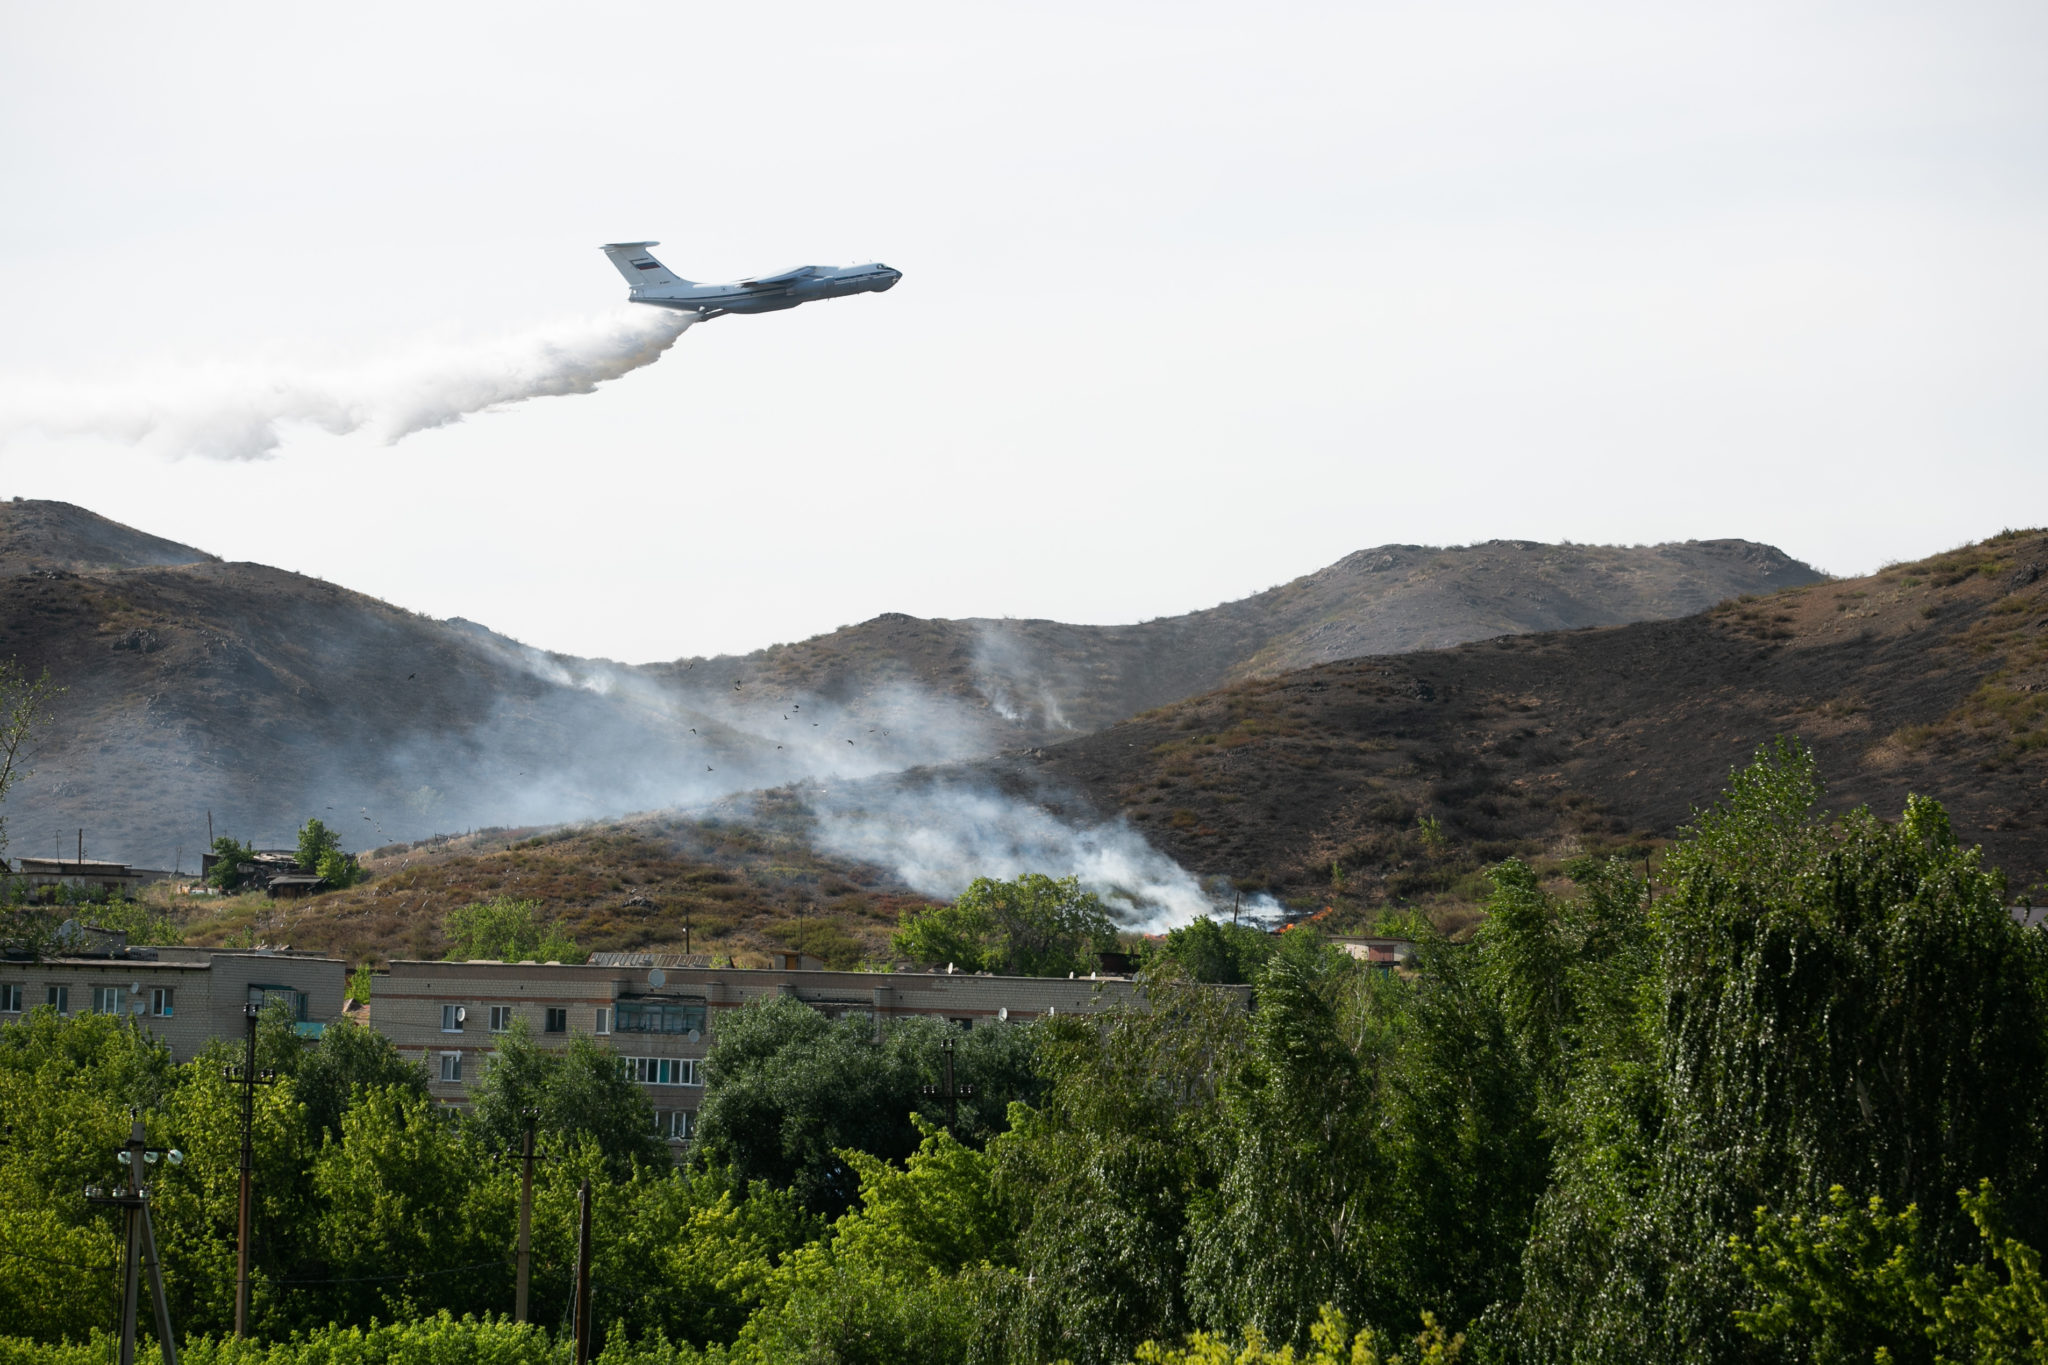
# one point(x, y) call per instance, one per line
point(363, 1280)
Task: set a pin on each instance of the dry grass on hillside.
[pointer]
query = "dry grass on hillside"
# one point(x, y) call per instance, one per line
point(739, 889)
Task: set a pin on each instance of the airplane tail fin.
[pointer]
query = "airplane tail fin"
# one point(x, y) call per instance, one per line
point(641, 270)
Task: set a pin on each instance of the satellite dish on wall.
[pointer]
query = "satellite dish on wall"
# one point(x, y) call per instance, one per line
point(657, 978)
point(1003, 1014)
point(461, 1014)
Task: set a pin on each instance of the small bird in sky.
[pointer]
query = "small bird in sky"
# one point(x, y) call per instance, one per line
point(849, 741)
point(410, 676)
point(693, 729)
point(708, 768)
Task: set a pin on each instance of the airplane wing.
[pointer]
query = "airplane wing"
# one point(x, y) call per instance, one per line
point(767, 281)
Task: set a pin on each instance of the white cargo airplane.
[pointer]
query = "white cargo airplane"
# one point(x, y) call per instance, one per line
point(653, 283)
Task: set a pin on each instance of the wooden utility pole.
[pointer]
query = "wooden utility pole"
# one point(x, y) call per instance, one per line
point(952, 1094)
point(526, 1159)
point(248, 1078)
point(582, 1356)
point(131, 1280)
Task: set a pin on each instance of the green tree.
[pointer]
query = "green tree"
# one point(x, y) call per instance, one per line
point(348, 1060)
point(886, 1285)
point(1828, 1002)
point(1102, 1172)
point(1033, 926)
point(1211, 951)
point(507, 930)
point(1856, 1283)
point(316, 841)
point(228, 859)
point(788, 1092)
point(580, 1093)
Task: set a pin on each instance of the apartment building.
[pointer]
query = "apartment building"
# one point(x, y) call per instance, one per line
point(185, 996)
point(661, 1020)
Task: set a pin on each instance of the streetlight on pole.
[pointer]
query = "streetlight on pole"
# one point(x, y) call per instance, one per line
point(134, 1204)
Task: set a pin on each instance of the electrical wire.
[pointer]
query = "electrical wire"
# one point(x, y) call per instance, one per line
point(397, 1275)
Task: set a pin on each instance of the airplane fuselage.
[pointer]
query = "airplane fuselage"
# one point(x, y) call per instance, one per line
point(658, 288)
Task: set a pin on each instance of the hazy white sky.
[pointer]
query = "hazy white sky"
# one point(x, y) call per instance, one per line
point(1197, 297)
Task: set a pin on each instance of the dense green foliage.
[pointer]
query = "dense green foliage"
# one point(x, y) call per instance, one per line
point(320, 852)
point(1789, 1105)
point(229, 857)
point(791, 1090)
point(507, 930)
point(1208, 950)
point(1033, 926)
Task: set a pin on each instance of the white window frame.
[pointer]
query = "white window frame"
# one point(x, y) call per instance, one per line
point(451, 1019)
point(663, 1071)
point(107, 1000)
point(163, 1002)
point(451, 1068)
point(547, 1021)
point(604, 1020)
point(501, 1018)
point(677, 1125)
point(10, 999)
point(59, 997)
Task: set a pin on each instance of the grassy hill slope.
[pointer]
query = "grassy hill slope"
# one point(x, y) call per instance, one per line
point(1391, 780)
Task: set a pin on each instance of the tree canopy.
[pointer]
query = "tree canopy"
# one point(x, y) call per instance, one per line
point(1033, 926)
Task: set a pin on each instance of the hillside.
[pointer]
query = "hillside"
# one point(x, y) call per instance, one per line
point(718, 885)
point(1051, 681)
point(1391, 780)
point(263, 697)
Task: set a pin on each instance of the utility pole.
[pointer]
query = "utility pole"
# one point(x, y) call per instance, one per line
point(582, 1356)
point(526, 1158)
point(134, 1204)
point(248, 1078)
point(952, 1094)
point(81, 847)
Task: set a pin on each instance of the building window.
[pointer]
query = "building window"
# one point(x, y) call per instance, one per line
point(658, 1016)
point(294, 1000)
point(451, 1068)
point(452, 1017)
point(662, 1070)
point(160, 1001)
point(59, 999)
point(10, 1000)
point(106, 1000)
point(557, 1021)
point(501, 1018)
point(680, 1125)
point(604, 1020)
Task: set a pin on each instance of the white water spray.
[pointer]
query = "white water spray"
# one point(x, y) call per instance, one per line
point(230, 412)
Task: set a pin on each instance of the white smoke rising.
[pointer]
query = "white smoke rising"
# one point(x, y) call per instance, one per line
point(235, 412)
point(937, 840)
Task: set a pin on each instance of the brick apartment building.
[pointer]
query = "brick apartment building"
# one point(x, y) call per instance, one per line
point(661, 1020)
point(185, 996)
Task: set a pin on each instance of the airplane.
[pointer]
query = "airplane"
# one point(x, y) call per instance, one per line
point(653, 283)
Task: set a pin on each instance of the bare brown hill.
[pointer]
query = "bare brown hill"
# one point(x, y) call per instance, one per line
point(662, 883)
point(1050, 681)
point(264, 697)
point(1393, 779)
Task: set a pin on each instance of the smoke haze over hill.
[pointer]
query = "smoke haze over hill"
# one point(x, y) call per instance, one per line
point(265, 697)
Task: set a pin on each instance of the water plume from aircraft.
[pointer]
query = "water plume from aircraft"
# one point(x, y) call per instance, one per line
point(235, 412)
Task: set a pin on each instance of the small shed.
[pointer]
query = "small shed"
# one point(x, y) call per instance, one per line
point(294, 886)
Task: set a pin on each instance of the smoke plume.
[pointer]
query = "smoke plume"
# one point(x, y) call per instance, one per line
point(936, 838)
point(229, 412)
